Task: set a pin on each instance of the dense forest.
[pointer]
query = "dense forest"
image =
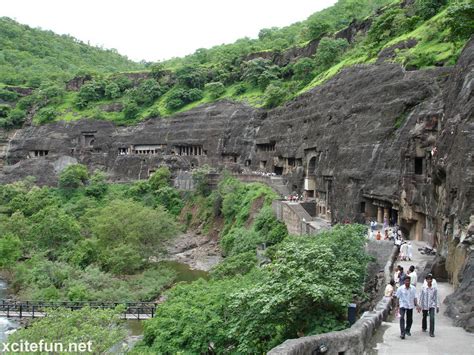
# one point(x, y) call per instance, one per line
point(264, 72)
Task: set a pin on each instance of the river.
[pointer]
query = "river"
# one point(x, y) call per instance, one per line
point(5, 323)
point(184, 273)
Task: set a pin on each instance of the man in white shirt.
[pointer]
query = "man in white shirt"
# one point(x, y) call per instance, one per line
point(429, 301)
point(406, 296)
point(413, 276)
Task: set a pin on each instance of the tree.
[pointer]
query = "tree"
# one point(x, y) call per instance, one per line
point(303, 68)
point(216, 89)
point(191, 76)
point(459, 19)
point(428, 8)
point(97, 186)
point(274, 95)
point(329, 51)
point(10, 250)
point(140, 234)
point(112, 90)
point(160, 178)
point(201, 180)
point(316, 29)
point(53, 229)
point(46, 115)
point(73, 176)
point(130, 110)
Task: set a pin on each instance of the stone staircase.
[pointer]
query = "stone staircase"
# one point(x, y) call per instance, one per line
point(279, 185)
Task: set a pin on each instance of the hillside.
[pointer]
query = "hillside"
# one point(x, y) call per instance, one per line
point(30, 56)
point(265, 72)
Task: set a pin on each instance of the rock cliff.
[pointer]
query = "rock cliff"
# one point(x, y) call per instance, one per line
point(375, 141)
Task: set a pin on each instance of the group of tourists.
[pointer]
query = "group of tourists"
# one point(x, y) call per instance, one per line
point(402, 291)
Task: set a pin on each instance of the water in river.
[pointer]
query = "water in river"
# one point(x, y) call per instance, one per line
point(184, 273)
point(5, 324)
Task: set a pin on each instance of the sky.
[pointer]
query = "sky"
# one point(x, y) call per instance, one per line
point(156, 30)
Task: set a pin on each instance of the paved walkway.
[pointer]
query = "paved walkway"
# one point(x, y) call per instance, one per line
point(448, 340)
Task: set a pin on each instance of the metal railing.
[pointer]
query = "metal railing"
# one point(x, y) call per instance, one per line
point(36, 309)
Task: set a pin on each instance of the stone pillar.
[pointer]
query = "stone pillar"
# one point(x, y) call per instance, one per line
point(379, 215)
point(386, 213)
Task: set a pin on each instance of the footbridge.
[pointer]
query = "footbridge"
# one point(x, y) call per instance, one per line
point(39, 309)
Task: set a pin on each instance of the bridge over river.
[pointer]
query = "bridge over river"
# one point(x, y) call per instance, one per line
point(39, 309)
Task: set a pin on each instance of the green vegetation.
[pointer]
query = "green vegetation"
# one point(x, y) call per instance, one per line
point(249, 309)
point(88, 240)
point(232, 71)
point(102, 328)
point(32, 56)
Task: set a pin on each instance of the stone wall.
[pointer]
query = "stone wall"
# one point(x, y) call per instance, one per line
point(351, 341)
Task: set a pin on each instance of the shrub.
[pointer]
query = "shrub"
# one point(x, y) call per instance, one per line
point(460, 20)
point(240, 89)
point(329, 52)
point(90, 91)
point(428, 8)
point(4, 110)
point(46, 114)
point(73, 176)
point(160, 178)
point(274, 95)
point(216, 89)
point(130, 110)
point(8, 95)
point(180, 97)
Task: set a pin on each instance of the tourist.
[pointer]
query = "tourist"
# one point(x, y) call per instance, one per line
point(406, 297)
point(404, 251)
point(399, 276)
point(385, 222)
point(413, 275)
point(386, 235)
point(388, 293)
point(378, 236)
point(433, 282)
point(429, 301)
point(398, 242)
point(410, 251)
point(372, 225)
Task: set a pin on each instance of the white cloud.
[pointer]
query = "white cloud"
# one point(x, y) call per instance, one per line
point(155, 30)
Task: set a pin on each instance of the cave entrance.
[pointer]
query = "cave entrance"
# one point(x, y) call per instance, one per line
point(278, 170)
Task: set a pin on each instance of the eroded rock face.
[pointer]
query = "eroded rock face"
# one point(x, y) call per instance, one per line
point(374, 142)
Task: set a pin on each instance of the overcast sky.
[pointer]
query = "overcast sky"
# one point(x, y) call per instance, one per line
point(157, 30)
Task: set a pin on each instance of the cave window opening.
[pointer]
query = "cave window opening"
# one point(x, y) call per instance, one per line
point(263, 164)
point(278, 170)
point(362, 207)
point(418, 166)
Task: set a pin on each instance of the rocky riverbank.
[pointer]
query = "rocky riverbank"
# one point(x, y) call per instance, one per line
point(199, 252)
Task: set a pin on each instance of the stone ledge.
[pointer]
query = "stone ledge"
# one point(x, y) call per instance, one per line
point(348, 341)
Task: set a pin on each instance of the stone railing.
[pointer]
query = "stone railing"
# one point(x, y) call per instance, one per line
point(351, 341)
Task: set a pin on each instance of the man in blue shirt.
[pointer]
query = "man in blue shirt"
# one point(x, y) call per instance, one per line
point(406, 296)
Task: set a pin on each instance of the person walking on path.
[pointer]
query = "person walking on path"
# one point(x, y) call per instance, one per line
point(406, 296)
point(413, 276)
point(433, 283)
point(429, 301)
